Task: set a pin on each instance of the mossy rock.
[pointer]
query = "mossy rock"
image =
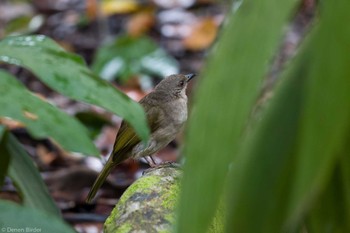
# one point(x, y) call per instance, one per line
point(148, 204)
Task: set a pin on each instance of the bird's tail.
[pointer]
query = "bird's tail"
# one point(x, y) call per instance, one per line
point(100, 180)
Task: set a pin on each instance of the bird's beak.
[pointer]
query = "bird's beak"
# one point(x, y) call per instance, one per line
point(190, 76)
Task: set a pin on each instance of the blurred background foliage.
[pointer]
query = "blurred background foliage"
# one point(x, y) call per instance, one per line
point(128, 56)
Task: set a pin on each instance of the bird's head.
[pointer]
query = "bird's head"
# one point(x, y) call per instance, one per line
point(175, 84)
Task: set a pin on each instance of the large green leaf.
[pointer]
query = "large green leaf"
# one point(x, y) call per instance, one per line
point(27, 179)
point(331, 211)
point(345, 177)
point(284, 169)
point(67, 74)
point(4, 155)
point(127, 56)
point(326, 114)
point(41, 118)
point(15, 218)
point(260, 178)
point(224, 100)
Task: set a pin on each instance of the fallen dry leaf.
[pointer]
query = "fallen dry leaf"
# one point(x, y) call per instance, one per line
point(91, 9)
point(110, 7)
point(202, 35)
point(140, 23)
point(45, 156)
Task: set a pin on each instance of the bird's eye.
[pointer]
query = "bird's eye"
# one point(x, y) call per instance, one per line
point(181, 83)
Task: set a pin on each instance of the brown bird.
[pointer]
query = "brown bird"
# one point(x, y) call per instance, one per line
point(166, 111)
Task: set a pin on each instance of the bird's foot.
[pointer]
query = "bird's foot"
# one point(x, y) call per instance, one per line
point(151, 162)
point(163, 165)
point(170, 164)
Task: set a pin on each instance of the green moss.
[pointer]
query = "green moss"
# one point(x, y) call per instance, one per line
point(217, 225)
point(125, 228)
point(170, 217)
point(164, 231)
point(110, 220)
point(169, 199)
point(144, 185)
point(148, 204)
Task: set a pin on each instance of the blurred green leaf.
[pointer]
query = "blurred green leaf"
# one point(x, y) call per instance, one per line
point(283, 170)
point(16, 218)
point(27, 179)
point(260, 177)
point(331, 211)
point(127, 56)
point(4, 156)
point(24, 25)
point(93, 121)
point(326, 111)
point(345, 177)
point(18, 24)
point(41, 118)
point(224, 100)
point(67, 74)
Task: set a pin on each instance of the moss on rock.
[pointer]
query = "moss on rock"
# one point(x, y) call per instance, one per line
point(148, 204)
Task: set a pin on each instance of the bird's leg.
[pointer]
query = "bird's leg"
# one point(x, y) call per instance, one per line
point(153, 160)
point(150, 161)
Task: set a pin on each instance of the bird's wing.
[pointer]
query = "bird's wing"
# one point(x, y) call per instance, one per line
point(127, 138)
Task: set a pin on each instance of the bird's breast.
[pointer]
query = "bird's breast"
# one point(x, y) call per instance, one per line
point(179, 112)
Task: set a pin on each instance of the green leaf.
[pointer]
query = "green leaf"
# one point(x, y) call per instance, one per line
point(223, 103)
point(159, 63)
point(16, 218)
point(127, 56)
point(4, 156)
point(283, 170)
point(345, 177)
point(67, 74)
point(27, 179)
point(93, 121)
point(260, 178)
point(326, 111)
point(41, 118)
point(331, 212)
point(23, 24)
